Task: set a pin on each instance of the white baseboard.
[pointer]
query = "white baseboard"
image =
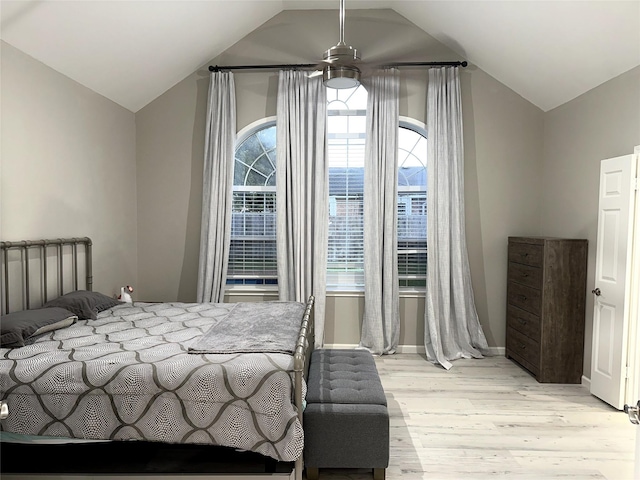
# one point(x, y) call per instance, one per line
point(418, 349)
point(586, 382)
point(411, 349)
point(498, 351)
point(400, 349)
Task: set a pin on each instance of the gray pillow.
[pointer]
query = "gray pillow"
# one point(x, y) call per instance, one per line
point(85, 304)
point(20, 328)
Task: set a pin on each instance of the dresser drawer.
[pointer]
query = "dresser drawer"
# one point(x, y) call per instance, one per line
point(526, 254)
point(525, 274)
point(525, 322)
point(523, 347)
point(524, 297)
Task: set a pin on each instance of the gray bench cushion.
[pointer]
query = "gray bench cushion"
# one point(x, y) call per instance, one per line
point(344, 377)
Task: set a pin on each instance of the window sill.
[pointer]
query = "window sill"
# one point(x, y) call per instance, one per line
point(237, 290)
point(251, 290)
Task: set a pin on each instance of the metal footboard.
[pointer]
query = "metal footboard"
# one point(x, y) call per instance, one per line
point(304, 347)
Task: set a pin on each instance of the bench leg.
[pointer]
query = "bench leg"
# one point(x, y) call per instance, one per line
point(313, 473)
point(379, 473)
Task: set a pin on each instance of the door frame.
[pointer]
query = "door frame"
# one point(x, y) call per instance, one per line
point(632, 392)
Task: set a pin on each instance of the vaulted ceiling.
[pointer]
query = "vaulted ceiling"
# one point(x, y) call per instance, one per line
point(131, 52)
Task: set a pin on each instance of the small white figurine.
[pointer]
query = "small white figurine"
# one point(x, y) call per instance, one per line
point(125, 294)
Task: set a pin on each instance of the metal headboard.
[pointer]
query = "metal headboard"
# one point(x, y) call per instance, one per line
point(35, 271)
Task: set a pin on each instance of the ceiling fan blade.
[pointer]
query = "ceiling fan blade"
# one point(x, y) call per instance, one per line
point(315, 73)
point(330, 60)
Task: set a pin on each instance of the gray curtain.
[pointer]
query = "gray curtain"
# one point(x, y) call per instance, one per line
point(217, 186)
point(452, 328)
point(381, 319)
point(302, 194)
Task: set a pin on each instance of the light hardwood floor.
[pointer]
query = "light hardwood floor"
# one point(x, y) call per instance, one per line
point(488, 419)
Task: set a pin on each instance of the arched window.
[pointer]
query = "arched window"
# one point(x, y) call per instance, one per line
point(412, 204)
point(252, 258)
point(346, 134)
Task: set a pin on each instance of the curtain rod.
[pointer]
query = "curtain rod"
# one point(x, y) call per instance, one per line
point(217, 68)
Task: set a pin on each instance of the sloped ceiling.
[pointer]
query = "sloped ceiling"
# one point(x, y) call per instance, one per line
point(131, 52)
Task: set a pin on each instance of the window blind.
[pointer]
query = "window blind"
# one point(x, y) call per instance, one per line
point(412, 239)
point(252, 256)
point(345, 154)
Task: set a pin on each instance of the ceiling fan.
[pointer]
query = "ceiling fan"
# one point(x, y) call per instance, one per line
point(338, 67)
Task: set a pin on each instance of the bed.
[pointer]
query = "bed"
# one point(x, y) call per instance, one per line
point(171, 373)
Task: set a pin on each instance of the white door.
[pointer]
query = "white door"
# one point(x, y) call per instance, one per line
point(612, 279)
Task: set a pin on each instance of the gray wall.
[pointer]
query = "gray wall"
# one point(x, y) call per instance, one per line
point(68, 166)
point(503, 142)
point(602, 123)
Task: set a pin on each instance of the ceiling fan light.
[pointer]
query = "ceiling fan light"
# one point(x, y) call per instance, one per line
point(344, 76)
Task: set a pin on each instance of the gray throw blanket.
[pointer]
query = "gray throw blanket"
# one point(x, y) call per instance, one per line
point(269, 327)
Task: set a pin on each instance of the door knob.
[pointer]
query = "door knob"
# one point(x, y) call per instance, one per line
point(596, 292)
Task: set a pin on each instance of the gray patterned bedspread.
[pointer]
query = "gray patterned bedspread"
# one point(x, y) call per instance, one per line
point(128, 376)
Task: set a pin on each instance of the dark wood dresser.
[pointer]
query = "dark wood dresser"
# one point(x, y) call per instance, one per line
point(546, 294)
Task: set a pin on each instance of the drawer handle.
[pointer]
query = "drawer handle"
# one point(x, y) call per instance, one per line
point(525, 255)
point(523, 322)
point(523, 298)
point(522, 346)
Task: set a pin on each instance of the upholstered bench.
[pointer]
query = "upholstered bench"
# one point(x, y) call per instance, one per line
point(346, 421)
